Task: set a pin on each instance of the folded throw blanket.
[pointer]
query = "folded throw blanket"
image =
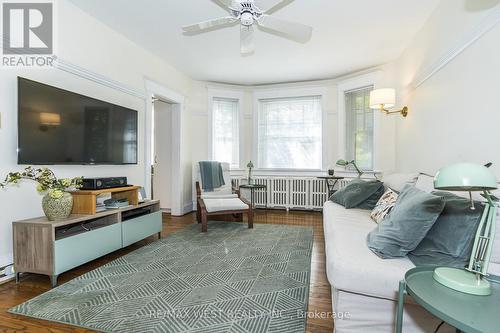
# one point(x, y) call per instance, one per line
point(211, 175)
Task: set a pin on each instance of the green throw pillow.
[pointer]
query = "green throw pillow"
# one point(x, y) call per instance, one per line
point(450, 240)
point(413, 215)
point(357, 192)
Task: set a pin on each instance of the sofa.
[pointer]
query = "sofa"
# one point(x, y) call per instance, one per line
point(365, 287)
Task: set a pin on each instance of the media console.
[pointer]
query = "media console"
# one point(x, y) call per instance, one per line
point(54, 247)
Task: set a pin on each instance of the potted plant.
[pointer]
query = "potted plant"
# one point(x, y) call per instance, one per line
point(57, 202)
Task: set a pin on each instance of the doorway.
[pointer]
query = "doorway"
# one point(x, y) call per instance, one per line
point(178, 192)
point(161, 167)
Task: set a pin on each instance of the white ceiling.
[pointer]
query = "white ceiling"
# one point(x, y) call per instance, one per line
point(349, 35)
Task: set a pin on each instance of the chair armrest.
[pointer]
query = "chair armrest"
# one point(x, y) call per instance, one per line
point(201, 203)
point(198, 190)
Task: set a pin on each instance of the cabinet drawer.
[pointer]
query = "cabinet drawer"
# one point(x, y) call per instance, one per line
point(141, 227)
point(76, 250)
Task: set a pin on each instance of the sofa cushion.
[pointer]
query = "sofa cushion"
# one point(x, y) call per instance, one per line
point(356, 192)
point(450, 240)
point(372, 200)
point(384, 206)
point(350, 265)
point(397, 181)
point(411, 218)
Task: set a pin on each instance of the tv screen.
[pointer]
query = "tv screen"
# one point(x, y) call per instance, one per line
point(56, 126)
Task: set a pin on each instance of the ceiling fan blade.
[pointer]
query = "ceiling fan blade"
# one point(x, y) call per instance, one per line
point(209, 25)
point(224, 4)
point(247, 44)
point(277, 6)
point(296, 31)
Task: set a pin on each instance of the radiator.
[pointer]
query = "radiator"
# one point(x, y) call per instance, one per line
point(306, 193)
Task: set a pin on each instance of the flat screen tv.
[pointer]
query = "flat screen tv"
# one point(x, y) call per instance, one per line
point(56, 126)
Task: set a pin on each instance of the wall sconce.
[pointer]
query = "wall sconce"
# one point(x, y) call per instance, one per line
point(50, 119)
point(383, 99)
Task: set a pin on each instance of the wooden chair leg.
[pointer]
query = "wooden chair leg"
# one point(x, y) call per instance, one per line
point(250, 218)
point(198, 213)
point(204, 222)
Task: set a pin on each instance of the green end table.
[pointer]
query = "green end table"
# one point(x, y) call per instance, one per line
point(253, 188)
point(467, 313)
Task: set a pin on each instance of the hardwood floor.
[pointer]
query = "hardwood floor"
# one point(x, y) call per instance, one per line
point(31, 285)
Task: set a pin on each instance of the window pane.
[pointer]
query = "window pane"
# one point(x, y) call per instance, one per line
point(290, 133)
point(225, 138)
point(359, 131)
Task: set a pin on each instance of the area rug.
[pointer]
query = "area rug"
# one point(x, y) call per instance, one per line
point(231, 279)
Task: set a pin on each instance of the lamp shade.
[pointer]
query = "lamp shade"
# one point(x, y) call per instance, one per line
point(385, 97)
point(465, 177)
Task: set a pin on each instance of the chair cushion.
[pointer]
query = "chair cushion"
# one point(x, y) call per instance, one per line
point(212, 195)
point(220, 205)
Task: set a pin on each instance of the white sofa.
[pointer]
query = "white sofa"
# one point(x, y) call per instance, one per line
point(364, 287)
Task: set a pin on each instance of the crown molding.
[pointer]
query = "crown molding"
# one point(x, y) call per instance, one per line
point(79, 71)
point(487, 24)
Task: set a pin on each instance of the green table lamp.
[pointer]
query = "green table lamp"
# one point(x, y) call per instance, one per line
point(471, 178)
point(345, 163)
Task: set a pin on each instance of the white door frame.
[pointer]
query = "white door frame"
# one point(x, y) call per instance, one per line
point(178, 102)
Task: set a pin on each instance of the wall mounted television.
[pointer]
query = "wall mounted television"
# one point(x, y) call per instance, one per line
point(56, 126)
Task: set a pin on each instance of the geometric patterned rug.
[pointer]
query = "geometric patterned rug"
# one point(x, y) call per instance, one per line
point(231, 279)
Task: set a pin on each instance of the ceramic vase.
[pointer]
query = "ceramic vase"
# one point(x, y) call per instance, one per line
point(57, 209)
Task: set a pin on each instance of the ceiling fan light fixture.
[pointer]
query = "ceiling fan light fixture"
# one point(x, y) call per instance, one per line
point(247, 19)
point(249, 14)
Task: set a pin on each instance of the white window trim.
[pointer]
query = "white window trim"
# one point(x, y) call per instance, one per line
point(370, 79)
point(290, 93)
point(230, 94)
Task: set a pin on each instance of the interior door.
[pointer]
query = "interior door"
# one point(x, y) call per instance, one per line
point(162, 162)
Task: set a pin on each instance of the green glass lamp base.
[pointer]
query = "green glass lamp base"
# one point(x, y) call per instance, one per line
point(462, 280)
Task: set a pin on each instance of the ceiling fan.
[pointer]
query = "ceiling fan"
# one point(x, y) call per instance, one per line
point(248, 15)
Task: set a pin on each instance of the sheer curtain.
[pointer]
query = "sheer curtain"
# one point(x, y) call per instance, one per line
point(225, 131)
point(290, 133)
point(359, 127)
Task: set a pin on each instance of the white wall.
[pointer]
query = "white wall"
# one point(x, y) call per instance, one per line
point(454, 115)
point(88, 43)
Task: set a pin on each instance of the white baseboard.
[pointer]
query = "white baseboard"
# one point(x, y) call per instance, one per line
point(188, 208)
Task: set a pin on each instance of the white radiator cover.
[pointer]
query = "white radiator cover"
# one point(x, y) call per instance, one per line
point(308, 193)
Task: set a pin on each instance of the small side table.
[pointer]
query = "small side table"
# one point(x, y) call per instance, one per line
point(252, 188)
point(331, 182)
point(467, 313)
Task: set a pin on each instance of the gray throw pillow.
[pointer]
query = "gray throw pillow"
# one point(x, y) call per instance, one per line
point(371, 202)
point(450, 240)
point(413, 215)
point(356, 192)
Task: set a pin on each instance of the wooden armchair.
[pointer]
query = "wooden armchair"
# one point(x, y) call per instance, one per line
point(222, 201)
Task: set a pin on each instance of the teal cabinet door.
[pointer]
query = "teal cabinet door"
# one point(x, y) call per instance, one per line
point(142, 227)
point(76, 250)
